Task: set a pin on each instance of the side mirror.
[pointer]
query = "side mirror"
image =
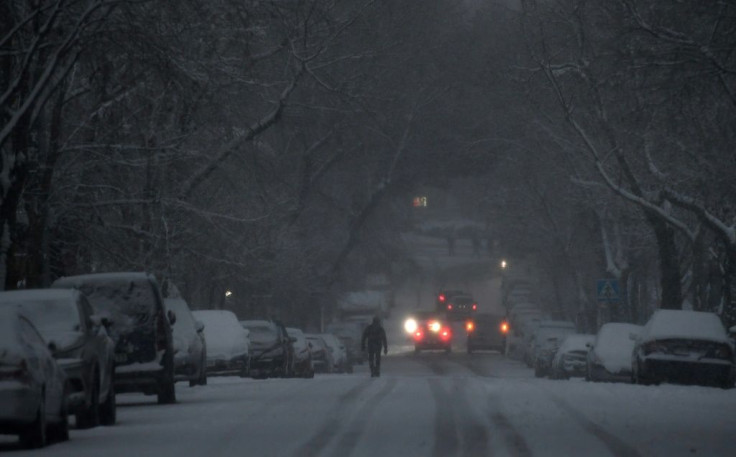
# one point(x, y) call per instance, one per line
point(172, 317)
point(52, 346)
point(106, 322)
point(589, 345)
point(198, 326)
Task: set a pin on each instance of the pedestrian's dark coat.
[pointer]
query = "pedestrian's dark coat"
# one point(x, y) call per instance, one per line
point(375, 337)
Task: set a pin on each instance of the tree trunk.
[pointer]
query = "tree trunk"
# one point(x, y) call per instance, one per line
point(669, 265)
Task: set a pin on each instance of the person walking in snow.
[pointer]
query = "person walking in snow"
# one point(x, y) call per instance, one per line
point(374, 338)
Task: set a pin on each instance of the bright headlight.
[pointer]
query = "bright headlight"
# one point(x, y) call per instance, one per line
point(410, 325)
point(434, 326)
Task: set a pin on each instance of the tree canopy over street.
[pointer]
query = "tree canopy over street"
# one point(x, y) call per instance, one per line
point(272, 148)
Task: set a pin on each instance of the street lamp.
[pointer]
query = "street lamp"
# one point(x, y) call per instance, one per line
point(504, 264)
point(228, 293)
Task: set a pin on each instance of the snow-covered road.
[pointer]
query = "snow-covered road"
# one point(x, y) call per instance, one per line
point(427, 405)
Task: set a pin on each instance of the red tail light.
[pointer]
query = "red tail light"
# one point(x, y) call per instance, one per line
point(160, 331)
point(470, 326)
point(504, 327)
point(17, 372)
point(475, 306)
point(445, 334)
point(418, 335)
point(449, 307)
point(441, 297)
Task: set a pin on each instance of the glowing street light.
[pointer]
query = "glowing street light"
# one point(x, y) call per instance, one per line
point(504, 264)
point(228, 293)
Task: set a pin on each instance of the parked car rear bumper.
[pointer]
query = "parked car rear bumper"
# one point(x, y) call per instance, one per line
point(600, 373)
point(19, 405)
point(686, 371)
point(224, 367)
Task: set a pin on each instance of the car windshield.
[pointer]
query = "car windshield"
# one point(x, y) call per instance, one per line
point(261, 332)
point(129, 303)
point(52, 316)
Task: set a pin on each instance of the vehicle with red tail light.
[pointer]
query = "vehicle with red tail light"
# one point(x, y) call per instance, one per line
point(486, 332)
point(689, 347)
point(141, 329)
point(456, 305)
point(431, 332)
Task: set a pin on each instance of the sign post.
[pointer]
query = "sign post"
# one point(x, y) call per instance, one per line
point(608, 292)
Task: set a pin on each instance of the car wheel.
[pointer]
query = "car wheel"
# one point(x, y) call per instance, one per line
point(34, 436)
point(166, 389)
point(639, 379)
point(59, 432)
point(167, 393)
point(108, 408)
point(90, 416)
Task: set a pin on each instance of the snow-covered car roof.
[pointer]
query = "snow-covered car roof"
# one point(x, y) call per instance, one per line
point(576, 342)
point(223, 331)
point(21, 295)
point(105, 277)
point(259, 323)
point(674, 324)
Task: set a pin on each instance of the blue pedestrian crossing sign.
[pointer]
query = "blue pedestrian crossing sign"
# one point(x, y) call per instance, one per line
point(608, 291)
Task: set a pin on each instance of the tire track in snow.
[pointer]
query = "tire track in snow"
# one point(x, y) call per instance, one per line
point(434, 364)
point(617, 447)
point(515, 442)
point(324, 435)
point(355, 429)
point(453, 418)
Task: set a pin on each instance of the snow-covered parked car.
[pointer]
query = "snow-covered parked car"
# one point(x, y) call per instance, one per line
point(340, 362)
point(32, 385)
point(350, 333)
point(609, 357)
point(684, 346)
point(571, 358)
point(546, 340)
point(302, 355)
point(322, 359)
point(271, 354)
point(141, 329)
point(190, 347)
point(81, 345)
point(228, 342)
